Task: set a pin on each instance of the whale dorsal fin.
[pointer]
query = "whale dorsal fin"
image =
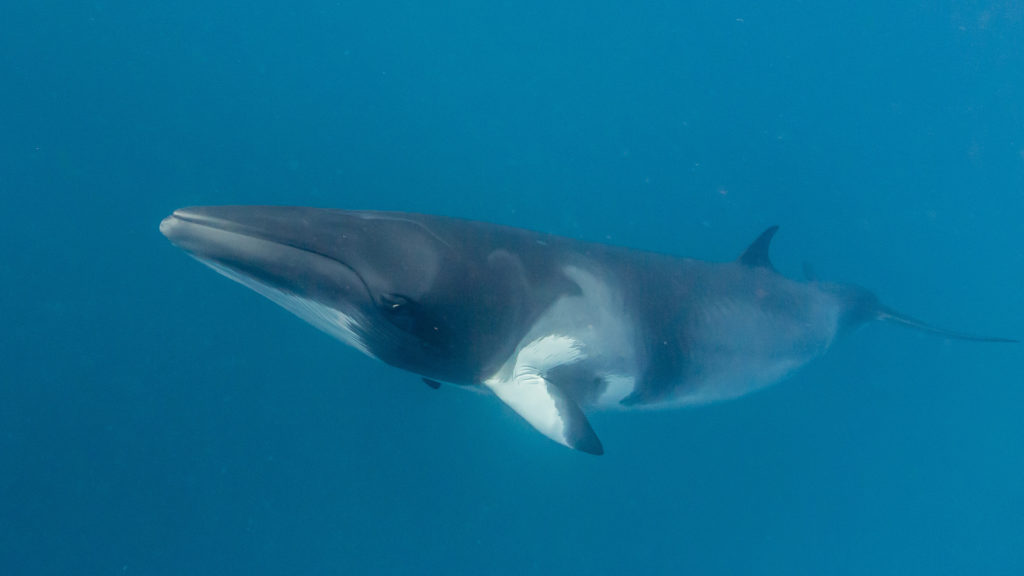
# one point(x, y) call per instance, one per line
point(756, 255)
point(549, 409)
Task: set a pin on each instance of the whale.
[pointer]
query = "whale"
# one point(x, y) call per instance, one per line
point(554, 327)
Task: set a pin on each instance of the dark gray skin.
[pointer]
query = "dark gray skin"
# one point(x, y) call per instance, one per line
point(548, 323)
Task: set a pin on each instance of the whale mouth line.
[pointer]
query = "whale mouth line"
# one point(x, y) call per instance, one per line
point(182, 219)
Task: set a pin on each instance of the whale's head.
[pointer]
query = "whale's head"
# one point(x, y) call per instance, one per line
point(382, 282)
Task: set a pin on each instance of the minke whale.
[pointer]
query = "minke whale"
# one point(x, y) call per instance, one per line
point(550, 325)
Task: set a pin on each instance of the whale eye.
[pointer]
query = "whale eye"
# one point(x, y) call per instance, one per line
point(399, 310)
point(395, 303)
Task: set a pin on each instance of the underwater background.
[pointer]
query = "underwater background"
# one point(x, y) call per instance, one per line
point(158, 419)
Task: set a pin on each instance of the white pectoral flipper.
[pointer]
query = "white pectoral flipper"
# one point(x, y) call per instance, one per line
point(523, 386)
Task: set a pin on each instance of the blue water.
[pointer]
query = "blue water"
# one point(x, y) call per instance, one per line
point(158, 419)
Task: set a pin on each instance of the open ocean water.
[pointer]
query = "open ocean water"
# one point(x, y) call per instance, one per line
point(157, 419)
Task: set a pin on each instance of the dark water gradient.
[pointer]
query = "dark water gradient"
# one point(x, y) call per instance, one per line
point(156, 419)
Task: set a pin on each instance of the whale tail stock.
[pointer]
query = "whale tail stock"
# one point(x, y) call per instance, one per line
point(887, 314)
